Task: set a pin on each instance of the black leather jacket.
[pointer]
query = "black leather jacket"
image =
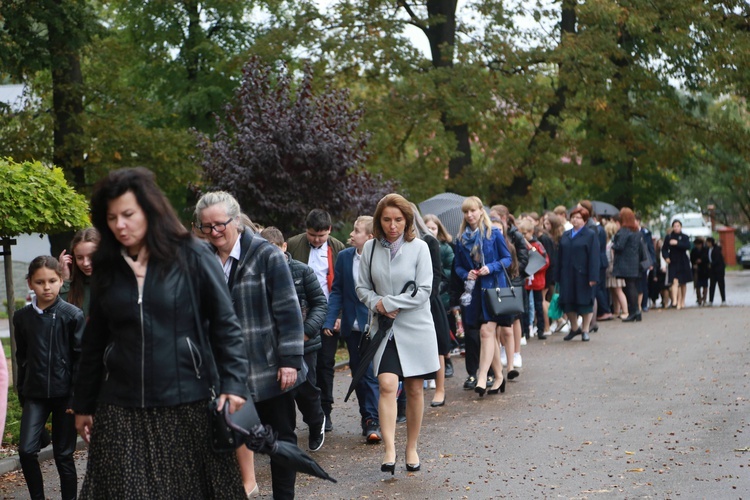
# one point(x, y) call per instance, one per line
point(48, 346)
point(312, 302)
point(146, 351)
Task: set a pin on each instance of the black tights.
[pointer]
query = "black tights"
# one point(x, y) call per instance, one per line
point(631, 294)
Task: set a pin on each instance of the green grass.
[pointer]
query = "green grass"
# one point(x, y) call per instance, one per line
point(12, 420)
point(6, 346)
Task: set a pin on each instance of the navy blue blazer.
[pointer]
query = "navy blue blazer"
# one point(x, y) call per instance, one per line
point(343, 297)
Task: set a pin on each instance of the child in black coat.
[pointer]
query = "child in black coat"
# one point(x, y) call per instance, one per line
point(48, 342)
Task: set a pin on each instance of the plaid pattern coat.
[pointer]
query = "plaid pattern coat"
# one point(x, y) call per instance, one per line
point(266, 304)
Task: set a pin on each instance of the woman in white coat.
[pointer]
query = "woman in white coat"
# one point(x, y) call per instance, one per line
point(393, 258)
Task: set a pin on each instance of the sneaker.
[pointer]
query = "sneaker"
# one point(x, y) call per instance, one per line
point(580, 321)
point(517, 361)
point(317, 436)
point(372, 432)
point(544, 335)
point(523, 340)
point(470, 383)
point(503, 356)
point(328, 423)
point(431, 384)
point(565, 328)
point(401, 413)
point(448, 368)
point(534, 330)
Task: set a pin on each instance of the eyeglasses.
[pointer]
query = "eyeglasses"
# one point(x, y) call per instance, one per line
point(219, 228)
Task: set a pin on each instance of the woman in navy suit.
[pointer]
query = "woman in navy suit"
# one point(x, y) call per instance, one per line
point(481, 255)
point(577, 272)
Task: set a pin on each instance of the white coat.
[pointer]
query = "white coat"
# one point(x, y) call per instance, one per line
point(413, 329)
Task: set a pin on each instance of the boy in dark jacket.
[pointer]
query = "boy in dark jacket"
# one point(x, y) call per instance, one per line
point(314, 307)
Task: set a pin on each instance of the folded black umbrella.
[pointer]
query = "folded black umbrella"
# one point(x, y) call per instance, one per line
point(262, 439)
point(384, 325)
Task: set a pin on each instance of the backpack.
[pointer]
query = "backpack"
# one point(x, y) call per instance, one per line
point(539, 280)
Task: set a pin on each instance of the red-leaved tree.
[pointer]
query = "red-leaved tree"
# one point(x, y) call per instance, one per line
point(282, 152)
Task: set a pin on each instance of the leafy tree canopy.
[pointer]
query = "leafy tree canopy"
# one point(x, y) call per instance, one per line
point(38, 199)
point(283, 151)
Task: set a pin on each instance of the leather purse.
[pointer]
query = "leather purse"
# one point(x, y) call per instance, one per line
point(504, 301)
point(224, 439)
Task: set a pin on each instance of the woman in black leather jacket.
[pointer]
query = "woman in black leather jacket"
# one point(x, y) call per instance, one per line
point(143, 386)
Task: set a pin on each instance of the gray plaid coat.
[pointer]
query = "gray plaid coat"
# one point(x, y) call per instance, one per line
point(266, 304)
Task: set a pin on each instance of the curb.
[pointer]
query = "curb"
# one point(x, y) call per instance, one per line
point(13, 463)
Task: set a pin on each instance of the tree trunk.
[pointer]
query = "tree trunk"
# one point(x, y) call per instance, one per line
point(441, 33)
point(548, 125)
point(67, 108)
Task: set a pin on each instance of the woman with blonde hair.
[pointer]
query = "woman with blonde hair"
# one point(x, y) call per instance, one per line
point(481, 257)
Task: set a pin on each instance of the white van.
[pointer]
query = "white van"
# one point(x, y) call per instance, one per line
point(693, 224)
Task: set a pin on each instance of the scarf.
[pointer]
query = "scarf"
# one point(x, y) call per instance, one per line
point(393, 247)
point(472, 240)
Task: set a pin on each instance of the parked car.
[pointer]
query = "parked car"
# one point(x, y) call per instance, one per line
point(743, 256)
point(693, 224)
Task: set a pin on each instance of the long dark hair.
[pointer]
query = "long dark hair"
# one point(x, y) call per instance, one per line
point(165, 232)
point(88, 235)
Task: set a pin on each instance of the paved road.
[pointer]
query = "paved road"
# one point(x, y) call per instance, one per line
point(657, 409)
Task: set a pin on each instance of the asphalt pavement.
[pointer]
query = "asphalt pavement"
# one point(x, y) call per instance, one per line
point(656, 409)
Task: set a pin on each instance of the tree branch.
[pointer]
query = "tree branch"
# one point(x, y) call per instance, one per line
point(415, 20)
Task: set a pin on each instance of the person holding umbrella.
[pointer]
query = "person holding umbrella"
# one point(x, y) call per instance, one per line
point(394, 261)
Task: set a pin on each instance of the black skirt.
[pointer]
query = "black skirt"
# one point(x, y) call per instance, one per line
point(157, 453)
point(391, 363)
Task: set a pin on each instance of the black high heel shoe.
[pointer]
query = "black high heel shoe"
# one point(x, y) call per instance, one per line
point(501, 388)
point(480, 390)
point(594, 329)
point(389, 467)
point(413, 467)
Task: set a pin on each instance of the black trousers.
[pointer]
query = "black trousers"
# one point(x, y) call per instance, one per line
point(307, 394)
point(631, 294)
point(713, 279)
point(602, 295)
point(326, 360)
point(472, 346)
point(33, 418)
point(281, 414)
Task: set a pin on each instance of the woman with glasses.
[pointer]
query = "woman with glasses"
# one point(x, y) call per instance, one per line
point(577, 272)
point(265, 301)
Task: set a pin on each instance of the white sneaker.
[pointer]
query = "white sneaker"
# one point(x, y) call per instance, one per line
point(517, 361)
point(533, 332)
point(580, 321)
point(503, 356)
point(523, 340)
point(565, 328)
point(431, 384)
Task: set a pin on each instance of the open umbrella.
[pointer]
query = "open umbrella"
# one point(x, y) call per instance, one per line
point(447, 208)
point(604, 209)
point(384, 326)
point(262, 439)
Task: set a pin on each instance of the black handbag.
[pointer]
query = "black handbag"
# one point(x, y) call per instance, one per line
point(224, 438)
point(645, 257)
point(504, 301)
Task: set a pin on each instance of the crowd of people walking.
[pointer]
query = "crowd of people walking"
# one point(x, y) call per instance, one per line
point(141, 305)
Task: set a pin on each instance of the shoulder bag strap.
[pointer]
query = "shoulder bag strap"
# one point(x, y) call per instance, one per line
point(213, 372)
